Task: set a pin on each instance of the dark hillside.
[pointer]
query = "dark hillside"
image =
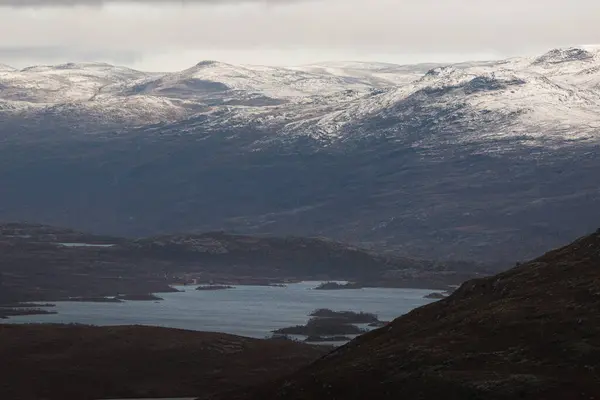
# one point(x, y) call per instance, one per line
point(82, 362)
point(532, 332)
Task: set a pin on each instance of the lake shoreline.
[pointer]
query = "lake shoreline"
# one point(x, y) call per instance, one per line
point(251, 311)
point(22, 310)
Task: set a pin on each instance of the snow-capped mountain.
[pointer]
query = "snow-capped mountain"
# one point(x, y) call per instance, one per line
point(61, 84)
point(327, 101)
point(278, 83)
point(6, 68)
point(491, 160)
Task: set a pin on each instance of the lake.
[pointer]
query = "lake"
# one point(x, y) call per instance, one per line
point(252, 311)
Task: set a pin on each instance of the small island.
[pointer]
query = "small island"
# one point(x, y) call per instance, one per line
point(349, 317)
point(317, 339)
point(326, 325)
point(436, 296)
point(139, 297)
point(215, 287)
point(281, 285)
point(322, 327)
point(329, 323)
point(95, 299)
point(338, 286)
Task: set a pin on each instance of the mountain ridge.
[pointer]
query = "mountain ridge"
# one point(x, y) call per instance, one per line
point(284, 86)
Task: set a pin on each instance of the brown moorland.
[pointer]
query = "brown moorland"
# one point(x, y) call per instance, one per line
point(35, 265)
point(532, 332)
point(84, 362)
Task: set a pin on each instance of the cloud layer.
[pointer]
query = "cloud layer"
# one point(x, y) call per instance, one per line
point(174, 34)
point(99, 3)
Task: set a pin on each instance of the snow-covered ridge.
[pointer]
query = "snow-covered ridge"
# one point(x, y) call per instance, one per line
point(6, 68)
point(559, 56)
point(556, 94)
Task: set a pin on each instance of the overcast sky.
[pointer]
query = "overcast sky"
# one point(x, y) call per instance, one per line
point(171, 35)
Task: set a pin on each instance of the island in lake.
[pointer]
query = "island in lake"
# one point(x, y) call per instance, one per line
point(14, 310)
point(139, 297)
point(215, 287)
point(338, 286)
point(325, 323)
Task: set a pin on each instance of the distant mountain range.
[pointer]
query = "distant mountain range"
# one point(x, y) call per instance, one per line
point(492, 161)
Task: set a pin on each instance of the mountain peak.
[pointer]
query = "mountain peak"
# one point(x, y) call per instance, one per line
point(4, 67)
point(441, 71)
point(559, 56)
point(208, 63)
point(70, 66)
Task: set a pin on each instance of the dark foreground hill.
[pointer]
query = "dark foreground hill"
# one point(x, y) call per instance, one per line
point(532, 332)
point(83, 362)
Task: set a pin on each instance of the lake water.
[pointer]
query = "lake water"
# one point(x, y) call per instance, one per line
point(252, 311)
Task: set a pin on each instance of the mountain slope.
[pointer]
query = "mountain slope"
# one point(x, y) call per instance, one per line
point(327, 101)
point(274, 82)
point(493, 161)
point(531, 332)
point(452, 201)
point(62, 83)
point(6, 68)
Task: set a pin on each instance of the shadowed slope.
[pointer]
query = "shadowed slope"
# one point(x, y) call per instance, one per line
point(532, 332)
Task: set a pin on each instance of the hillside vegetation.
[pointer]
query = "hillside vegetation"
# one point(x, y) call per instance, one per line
point(529, 333)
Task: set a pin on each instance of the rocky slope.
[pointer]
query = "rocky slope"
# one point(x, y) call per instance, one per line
point(84, 362)
point(531, 332)
point(491, 161)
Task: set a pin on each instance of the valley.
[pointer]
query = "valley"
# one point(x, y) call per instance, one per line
point(530, 332)
point(383, 211)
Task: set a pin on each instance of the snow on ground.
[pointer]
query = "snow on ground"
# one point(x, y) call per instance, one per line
point(554, 95)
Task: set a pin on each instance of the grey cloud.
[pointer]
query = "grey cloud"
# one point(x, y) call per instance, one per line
point(172, 34)
point(99, 3)
point(24, 56)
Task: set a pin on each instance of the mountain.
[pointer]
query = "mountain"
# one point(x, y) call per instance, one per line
point(492, 161)
point(86, 362)
point(532, 332)
point(6, 68)
point(277, 83)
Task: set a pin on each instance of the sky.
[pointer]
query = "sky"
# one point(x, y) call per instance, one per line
point(156, 35)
